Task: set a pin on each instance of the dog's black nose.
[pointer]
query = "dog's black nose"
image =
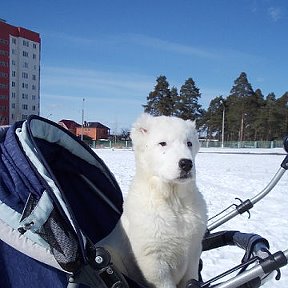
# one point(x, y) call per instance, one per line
point(185, 164)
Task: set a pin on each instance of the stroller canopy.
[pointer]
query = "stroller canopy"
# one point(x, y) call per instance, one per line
point(56, 195)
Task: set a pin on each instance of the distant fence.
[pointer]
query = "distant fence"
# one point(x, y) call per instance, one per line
point(127, 144)
point(119, 144)
point(243, 144)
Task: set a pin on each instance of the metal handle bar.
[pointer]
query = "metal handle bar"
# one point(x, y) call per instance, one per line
point(269, 187)
point(269, 264)
point(248, 204)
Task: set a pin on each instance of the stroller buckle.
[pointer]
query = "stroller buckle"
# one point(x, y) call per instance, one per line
point(26, 227)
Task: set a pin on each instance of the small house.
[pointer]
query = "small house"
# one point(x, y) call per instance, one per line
point(69, 125)
point(93, 130)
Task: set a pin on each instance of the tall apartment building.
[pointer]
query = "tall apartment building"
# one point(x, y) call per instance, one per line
point(19, 73)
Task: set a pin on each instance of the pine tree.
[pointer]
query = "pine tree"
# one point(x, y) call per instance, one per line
point(242, 88)
point(174, 98)
point(213, 117)
point(188, 107)
point(238, 103)
point(271, 116)
point(248, 115)
point(259, 117)
point(159, 101)
point(253, 104)
point(282, 103)
point(275, 117)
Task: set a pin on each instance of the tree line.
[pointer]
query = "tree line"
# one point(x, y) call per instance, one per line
point(248, 115)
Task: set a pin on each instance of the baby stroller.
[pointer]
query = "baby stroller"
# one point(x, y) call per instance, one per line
point(53, 186)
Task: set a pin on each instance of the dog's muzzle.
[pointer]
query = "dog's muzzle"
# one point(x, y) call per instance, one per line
point(185, 165)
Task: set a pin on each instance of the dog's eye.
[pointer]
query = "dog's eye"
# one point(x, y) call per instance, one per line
point(189, 144)
point(163, 144)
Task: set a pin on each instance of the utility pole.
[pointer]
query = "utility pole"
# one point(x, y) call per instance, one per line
point(242, 128)
point(223, 124)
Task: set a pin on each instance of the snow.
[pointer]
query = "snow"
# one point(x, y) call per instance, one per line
point(223, 175)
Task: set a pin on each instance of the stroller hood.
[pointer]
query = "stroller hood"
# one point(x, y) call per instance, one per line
point(55, 191)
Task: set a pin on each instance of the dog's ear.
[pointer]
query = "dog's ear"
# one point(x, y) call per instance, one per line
point(140, 128)
point(196, 144)
point(142, 124)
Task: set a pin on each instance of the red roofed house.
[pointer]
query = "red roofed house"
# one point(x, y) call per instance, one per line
point(94, 130)
point(69, 125)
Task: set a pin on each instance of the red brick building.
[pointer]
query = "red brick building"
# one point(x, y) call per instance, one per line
point(94, 130)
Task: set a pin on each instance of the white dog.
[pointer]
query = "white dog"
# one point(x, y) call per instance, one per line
point(164, 216)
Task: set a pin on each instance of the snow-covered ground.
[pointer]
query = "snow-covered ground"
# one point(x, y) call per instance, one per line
point(223, 175)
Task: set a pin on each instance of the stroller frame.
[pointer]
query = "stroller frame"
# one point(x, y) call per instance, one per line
point(267, 262)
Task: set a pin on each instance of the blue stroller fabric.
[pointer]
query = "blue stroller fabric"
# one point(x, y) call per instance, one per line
point(56, 198)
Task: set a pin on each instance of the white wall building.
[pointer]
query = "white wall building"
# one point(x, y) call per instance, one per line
point(19, 73)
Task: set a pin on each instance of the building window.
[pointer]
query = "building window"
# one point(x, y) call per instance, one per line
point(13, 62)
point(33, 97)
point(33, 107)
point(25, 85)
point(25, 43)
point(33, 77)
point(25, 107)
point(3, 86)
point(24, 117)
point(3, 53)
point(25, 65)
point(25, 54)
point(13, 84)
point(3, 97)
point(13, 105)
point(3, 75)
point(34, 56)
point(24, 75)
point(3, 64)
point(13, 94)
point(24, 96)
point(3, 42)
point(13, 73)
point(34, 46)
point(13, 40)
point(33, 87)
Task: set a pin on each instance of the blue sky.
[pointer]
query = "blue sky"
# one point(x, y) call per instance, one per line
point(111, 52)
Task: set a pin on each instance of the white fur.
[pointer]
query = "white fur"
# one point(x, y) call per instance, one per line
point(164, 216)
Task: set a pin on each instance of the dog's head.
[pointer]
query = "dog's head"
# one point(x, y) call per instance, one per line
point(165, 147)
